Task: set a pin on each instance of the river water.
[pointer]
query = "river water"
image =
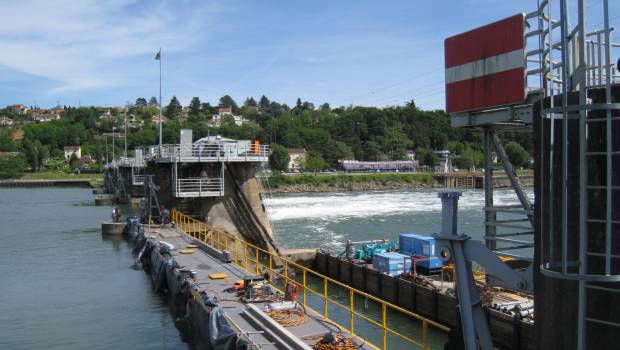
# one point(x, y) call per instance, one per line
point(62, 286)
point(327, 220)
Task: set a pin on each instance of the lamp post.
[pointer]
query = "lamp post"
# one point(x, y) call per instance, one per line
point(113, 152)
point(158, 57)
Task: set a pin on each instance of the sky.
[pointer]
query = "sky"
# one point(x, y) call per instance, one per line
point(371, 53)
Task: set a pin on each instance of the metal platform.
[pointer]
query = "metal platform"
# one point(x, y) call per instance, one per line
point(247, 319)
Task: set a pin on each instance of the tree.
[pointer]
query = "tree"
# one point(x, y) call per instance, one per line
point(314, 163)
point(249, 102)
point(427, 157)
point(517, 154)
point(264, 103)
point(336, 150)
point(12, 167)
point(205, 107)
point(74, 161)
point(279, 158)
point(141, 102)
point(153, 101)
point(173, 108)
point(194, 106)
point(227, 102)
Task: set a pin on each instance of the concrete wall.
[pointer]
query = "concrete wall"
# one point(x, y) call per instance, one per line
point(240, 211)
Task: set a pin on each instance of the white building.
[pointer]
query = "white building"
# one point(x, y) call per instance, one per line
point(297, 159)
point(5, 121)
point(69, 150)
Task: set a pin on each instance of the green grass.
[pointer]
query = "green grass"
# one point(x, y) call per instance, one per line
point(277, 180)
point(94, 179)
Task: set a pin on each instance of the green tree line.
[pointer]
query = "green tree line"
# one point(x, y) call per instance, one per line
point(328, 134)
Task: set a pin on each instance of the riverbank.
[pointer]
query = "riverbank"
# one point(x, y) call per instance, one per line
point(54, 178)
point(350, 182)
point(300, 183)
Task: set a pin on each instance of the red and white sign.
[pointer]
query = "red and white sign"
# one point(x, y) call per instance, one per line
point(485, 67)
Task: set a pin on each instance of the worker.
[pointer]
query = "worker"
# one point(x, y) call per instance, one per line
point(116, 214)
point(165, 215)
point(349, 249)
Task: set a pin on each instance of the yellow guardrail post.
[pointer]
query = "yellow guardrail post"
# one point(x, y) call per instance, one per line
point(305, 286)
point(325, 305)
point(183, 222)
point(236, 254)
point(352, 310)
point(257, 259)
point(425, 334)
point(384, 317)
point(285, 273)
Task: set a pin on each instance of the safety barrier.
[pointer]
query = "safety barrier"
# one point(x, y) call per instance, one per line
point(379, 323)
point(219, 152)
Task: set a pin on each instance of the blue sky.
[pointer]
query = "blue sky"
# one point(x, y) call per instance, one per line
point(373, 53)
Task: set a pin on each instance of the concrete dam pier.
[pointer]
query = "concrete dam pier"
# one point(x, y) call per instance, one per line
point(212, 180)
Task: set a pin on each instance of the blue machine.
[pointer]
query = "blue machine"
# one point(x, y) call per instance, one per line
point(391, 263)
point(421, 247)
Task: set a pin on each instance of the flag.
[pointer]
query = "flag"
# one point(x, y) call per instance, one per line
point(158, 55)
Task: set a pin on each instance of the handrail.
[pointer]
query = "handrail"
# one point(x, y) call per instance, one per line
point(264, 260)
point(210, 152)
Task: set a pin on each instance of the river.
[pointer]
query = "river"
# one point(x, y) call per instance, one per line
point(327, 220)
point(65, 287)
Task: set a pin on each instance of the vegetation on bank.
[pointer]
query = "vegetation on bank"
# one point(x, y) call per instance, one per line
point(341, 180)
point(94, 179)
point(328, 134)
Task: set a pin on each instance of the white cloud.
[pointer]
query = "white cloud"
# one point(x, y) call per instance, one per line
point(88, 44)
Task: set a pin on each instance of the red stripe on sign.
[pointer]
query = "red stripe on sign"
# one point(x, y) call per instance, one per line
point(486, 91)
point(493, 39)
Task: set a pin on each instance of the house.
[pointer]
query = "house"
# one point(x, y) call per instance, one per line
point(410, 155)
point(155, 119)
point(133, 121)
point(19, 109)
point(5, 121)
point(224, 111)
point(43, 117)
point(297, 159)
point(69, 150)
point(218, 119)
point(18, 135)
point(107, 114)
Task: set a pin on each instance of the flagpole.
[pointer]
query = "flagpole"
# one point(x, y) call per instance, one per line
point(160, 102)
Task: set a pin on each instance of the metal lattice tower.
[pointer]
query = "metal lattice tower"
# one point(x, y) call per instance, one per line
point(578, 152)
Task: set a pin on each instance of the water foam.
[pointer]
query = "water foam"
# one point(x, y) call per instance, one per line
point(338, 206)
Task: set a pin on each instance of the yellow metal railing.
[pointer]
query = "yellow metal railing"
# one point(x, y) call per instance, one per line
point(254, 259)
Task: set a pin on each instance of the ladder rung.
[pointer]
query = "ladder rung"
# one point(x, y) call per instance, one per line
point(601, 153)
point(524, 233)
point(602, 221)
point(514, 247)
point(603, 187)
point(601, 255)
point(605, 289)
point(608, 323)
point(501, 239)
point(601, 119)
